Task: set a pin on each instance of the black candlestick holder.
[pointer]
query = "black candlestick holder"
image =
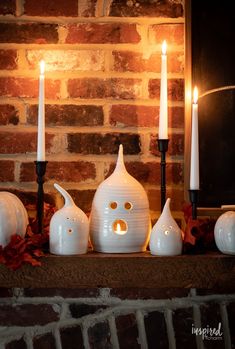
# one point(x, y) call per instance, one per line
point(193, 196)
point(163, 147)
point(40, 171)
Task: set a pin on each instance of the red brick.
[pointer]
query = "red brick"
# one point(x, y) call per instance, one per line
point(8, 7)
point(45, 341)
point(8, 114)
point(100, 336)
point(127, 331)
point(75, 171)
point(67, 60)
point(176, 117)
point(143, 116)
point(182, 322)
point(29, 198)
point(165, 8)
point(8, 59)
point(83, 198)
point(134, 62)
point(176, 196)
point(29, 33)
point(22, 87)
point(21, 142)
point(156, 331)
point(175, 148)
point(133, 115)
point(211, 316)
point(62, 292)
point(7, 171)
point(117, 88)
point(47, 8)
point(67, 115)
point(27, 315)
point(87, 8)
point(172, 33)
point(6, 292)
point(102, 33)
point(79, 310)
point(175, 89)
point(150, 172)
point(71, 337)
point(16, 344)
point(231, 319)
point(94, 143)
point(149, 293)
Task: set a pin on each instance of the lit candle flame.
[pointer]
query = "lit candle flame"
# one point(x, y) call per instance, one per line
point(42, 67)
point(195, 95)
point(164, 47)
point(118, 230)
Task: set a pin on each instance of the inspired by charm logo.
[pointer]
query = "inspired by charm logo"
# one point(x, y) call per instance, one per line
point(208, 333)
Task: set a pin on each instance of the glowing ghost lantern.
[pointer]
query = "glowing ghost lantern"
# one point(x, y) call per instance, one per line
point(166, 236)
point(69, 228)
point(120, 221)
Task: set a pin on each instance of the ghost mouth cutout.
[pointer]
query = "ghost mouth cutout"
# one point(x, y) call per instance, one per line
point(120, 227)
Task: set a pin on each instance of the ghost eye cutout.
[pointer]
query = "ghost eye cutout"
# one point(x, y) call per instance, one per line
point(128, 206)
point(113, 205)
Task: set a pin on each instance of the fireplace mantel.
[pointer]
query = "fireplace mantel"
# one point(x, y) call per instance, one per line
point(137, 270)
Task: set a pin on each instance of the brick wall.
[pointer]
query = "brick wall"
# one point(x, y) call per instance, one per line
point(102, 89)
point(114, 318)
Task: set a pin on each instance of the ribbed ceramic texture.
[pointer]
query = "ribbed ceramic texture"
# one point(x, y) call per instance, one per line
point(166, 236)
point(120, 188)
point(69, 228)
point(13, 217)
point(225, 232)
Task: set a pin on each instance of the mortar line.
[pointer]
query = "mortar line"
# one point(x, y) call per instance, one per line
point(113, 331)
point(141, 329)
point(170, 329)
point(225, 325)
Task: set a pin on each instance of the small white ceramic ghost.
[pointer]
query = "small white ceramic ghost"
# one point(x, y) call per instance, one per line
point(166, 236)
point(69, 228)
point(120, 220)
point(224, 232)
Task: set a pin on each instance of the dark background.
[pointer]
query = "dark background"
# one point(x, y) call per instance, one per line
point(213, 66)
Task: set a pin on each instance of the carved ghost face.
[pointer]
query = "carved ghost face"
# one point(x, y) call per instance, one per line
point(119, 221)
point(120, 225)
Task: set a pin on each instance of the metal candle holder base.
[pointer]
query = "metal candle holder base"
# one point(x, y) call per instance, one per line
point(163, 147)
point(193, 195)
point(40, 167)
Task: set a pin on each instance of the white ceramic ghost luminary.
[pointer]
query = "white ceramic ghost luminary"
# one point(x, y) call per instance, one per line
point(224, 232)
point(120, 221)
point(69, 228)
point(166, 236)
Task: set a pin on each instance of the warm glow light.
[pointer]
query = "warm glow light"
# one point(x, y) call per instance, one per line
point(195, 95)
point(164, 47)
point(120, 227)
point(118, 231)
point(42, 67)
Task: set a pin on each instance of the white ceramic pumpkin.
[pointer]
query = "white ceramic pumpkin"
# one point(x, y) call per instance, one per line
point(13, 217)
point(225, 232)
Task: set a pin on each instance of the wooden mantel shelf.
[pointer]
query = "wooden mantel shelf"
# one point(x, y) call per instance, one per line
point(139, 270)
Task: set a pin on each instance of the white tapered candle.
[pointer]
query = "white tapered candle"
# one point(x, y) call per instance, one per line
point(194, 164)
point(163, 118)
point(41, 115)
